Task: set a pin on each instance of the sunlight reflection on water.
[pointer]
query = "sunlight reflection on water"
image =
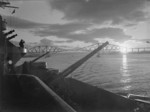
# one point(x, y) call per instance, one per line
point(126, 79)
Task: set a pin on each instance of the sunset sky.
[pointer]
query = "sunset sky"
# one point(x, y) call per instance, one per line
point(81, 22)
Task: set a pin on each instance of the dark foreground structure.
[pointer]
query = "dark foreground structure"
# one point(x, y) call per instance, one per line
point(31, 87)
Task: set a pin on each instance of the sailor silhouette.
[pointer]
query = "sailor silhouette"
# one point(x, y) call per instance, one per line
point(21, 43)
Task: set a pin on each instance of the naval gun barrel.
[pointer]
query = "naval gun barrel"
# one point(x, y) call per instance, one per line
point(8, 33)
point(9, 38)
point(71, 68)
point(39, 57)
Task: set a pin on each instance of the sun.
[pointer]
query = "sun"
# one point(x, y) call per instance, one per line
point(123, 50)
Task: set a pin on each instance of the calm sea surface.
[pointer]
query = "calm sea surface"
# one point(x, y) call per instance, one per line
point(117, 73)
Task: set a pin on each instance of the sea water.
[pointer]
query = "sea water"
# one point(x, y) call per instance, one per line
point(126, 73)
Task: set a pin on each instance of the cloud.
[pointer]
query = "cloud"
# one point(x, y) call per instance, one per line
point(72, 44)
point(46, 42)
point(85, 35)
point(100, 11)
point(136, 43)
point(61, 30)
point(73, 31)
point(116, 34)
point(19, 23)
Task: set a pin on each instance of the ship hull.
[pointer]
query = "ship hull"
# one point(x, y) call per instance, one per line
point(25, 92)
point(88, 98)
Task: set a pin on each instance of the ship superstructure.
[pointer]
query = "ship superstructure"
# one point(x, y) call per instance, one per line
point(32, 87)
